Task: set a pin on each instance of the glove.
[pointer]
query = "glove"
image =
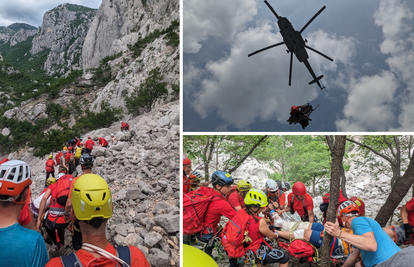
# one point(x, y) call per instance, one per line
point(408, 229)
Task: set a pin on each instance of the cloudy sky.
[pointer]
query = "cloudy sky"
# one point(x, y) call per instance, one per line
point(370, 84)
point(31, 11)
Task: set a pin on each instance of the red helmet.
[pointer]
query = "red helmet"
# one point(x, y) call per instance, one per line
point(360, 204)
point(299, 189)
point(186, 160)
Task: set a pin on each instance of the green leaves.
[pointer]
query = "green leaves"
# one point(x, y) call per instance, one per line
point(149, 92)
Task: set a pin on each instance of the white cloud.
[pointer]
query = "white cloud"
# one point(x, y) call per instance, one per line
point(243, 90)
point(203, 19)
point(32, 11)
point(370, 104)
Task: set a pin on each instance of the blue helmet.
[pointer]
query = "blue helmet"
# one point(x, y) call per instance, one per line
point(221, 178)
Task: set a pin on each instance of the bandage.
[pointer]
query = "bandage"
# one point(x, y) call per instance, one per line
point(287, 226)
point(299, 233)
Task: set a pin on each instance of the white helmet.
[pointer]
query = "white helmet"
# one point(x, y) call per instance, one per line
point(197, 174)
point(112, 134)
point(272, 185)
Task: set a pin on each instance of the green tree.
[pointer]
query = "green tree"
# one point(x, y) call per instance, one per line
point(149, 92)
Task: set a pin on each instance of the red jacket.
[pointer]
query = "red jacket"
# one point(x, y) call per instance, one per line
point(50, 163)
point(103, 142)
point(186, 185)
point(216, 209)
point(89, 144)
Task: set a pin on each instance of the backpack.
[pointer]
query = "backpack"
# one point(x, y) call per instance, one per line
point(49, 163)
point(300, 248)
point(78, 153)
point(325, 203)
point(62, 186)
point(234, 233)
point(122, 252)
point(195, 205)
point(57, 157)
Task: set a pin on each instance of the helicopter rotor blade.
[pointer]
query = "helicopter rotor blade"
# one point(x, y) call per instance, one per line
point(316, 51)
point(290, 69)
point(271, 9)
point(263, 49)
point(309, 22)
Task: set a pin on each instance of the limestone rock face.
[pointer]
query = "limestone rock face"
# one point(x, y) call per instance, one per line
point(16, 33)
point(29, 110)
point(63, 31)
point(119, 23)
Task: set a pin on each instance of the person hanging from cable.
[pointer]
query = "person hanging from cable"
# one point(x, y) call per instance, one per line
point(301, 114)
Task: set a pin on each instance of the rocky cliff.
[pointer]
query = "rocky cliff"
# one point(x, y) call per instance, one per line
point(16, 33)
point(63, 32)
point(118, 25)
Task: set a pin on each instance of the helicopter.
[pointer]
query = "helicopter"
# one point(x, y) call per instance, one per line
point(295, 44)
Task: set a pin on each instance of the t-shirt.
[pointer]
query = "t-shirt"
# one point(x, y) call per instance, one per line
point(216, 209)
point(385, 246)
point(87, 259)
point(298, 204)
point(24, 217)
point(22, 247)
point(410, 208)
point(235, 200)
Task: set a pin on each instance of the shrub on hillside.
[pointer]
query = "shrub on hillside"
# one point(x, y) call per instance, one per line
point(148, 93)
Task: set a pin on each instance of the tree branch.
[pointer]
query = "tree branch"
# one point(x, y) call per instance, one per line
point(248, 154)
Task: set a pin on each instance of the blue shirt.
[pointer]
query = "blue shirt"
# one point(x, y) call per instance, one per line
point(22, 247)
point(385, 246)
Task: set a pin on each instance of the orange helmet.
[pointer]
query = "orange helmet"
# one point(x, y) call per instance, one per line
point(360, 204)
point(15, 176)
point(299, 189)
point(186, 160)
point(346, 208)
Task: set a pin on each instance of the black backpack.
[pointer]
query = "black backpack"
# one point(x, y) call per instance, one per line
point(72, 260)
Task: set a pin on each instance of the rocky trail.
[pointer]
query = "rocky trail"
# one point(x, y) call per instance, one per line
point(142, 172)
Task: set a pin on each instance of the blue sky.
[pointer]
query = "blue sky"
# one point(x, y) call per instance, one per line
point(32, 11)
point(370, 84)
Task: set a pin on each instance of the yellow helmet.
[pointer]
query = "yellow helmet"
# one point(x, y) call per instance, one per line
point(50, 181)
point(50, 156)
point(91, 197)
point(257, 197)
point(244, 186)
point(65, 148)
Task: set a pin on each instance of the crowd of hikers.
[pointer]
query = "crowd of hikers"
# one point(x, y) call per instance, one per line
point(260, 228)
point(81, 204)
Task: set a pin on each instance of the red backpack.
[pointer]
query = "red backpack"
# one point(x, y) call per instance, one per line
point(195, 205)
point(49, 163)
point(300, 248)
point(57, 157)
point(62, 186)
point(232, 235)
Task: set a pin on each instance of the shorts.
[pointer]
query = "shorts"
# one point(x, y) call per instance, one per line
point(316, 239)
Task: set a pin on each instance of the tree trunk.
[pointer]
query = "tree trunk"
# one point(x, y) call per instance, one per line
point(398, 192)
point(208, 154)
point(247, 155)
point(343, 182)
point(337, 145)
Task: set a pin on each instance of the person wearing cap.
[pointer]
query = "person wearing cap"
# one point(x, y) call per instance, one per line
point(368, 239)
point(236, 199)
point(92, 206)
point(50, 168)
point(19, 246)
point(301, 202)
